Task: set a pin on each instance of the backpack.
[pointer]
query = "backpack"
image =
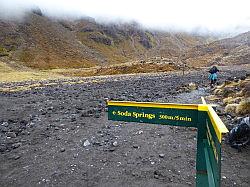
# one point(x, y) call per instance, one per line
point(213, 70)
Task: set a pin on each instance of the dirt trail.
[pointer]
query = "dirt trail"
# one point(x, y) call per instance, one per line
point(59, 135)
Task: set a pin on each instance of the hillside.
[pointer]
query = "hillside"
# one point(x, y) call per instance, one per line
point(41, 42)
point(227, 51)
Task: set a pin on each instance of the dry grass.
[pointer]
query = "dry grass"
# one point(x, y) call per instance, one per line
point(4, 68)
point(237, 102)
point(218, 91)
point(9, 74)
point(231, 108)
point(192, 86)
point(118, 52)
point(125, 68)
point(230, 100)
point(244, 107)
point(212, 98)
point(17, 76)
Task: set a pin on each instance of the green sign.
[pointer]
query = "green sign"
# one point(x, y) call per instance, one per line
point(164, 116)
point(203, 117)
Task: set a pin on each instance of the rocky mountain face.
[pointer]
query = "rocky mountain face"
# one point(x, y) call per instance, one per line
point(227, 51)
point(41, 42)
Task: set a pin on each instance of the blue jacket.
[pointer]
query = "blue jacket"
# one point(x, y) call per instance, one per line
point(213, 76)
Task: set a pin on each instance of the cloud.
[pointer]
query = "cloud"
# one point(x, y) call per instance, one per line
point(184, 15)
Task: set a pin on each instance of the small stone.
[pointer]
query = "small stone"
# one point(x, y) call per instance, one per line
point(224, 177)
point(161, 155)
point(3, 148)
point(72, 128)
point(62, 149)
point(136, 146)
point(5, 124)
point(97, 115)
point(24, 122)
point(111, 149)
point(16, 145)
point(156, 176)
point(140, 132)
point(133, 173)
point(115, 144)
point(11, 134)
point(75, 155)
point(3, 129)
point(97, 143)
point(189, 183)
point(86, 143)
point(14, 157)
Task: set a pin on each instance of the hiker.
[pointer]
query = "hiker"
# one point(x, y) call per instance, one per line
point(213, 75)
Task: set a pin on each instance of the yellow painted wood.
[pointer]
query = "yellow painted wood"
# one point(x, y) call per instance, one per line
point(218, 125)
point(153, 105)
point(202, 107)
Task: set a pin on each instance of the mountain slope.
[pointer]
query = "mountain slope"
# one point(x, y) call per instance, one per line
point(42, 43)
point(234, 50)
point(45, 43)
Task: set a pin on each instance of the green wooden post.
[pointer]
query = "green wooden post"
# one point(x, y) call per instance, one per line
point(201, 166)
point(203, 117)
point(212, 154)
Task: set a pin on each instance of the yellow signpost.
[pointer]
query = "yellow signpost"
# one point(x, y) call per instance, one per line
point(202, 116)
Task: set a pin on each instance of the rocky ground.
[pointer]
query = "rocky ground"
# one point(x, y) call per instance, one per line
point(59, 135)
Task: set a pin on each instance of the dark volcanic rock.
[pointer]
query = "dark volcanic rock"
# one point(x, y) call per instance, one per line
point(101, 39)
point(84, 148)
point(11, 134)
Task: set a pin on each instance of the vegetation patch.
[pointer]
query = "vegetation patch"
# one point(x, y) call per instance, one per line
point(235, 96)
point(3, 52)
point(26, 56)
point(126, 68)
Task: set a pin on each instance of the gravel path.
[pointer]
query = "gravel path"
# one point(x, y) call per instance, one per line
point(59, 135)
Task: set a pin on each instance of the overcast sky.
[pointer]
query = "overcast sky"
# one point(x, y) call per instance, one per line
point(183, 15)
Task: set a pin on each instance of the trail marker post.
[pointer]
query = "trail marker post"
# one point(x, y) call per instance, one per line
point(201, 116)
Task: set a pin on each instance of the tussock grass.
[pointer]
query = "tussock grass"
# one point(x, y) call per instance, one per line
point(212, 98)
point(9, 74)
point(4, 68)
point(17, 76)
point(244, 107)
point(125, 68)
point(230, 100)
point(235, 96)
point(231, 108)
